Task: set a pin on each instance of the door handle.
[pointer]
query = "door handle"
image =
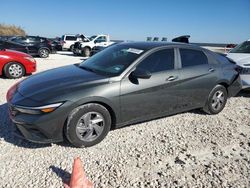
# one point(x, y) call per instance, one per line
point(171, 78)
point(211, 70)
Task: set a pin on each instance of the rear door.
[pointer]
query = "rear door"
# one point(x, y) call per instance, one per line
point(147, 98)
point(197, 77)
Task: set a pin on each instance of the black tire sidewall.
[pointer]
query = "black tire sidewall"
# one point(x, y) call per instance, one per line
point(6, 70)
point(71, 48)
point(39, 53)
point(86, 52)
point(70, 129)
point(210, 109)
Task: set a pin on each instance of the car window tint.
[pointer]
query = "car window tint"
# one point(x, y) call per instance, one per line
point(161, 60)
point(70, 38)
point(192, 57)
point(242, 48)
point(101, 39)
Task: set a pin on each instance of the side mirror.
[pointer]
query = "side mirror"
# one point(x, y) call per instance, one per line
point(141, 73)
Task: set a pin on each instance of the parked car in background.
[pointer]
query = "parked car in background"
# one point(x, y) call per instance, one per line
point(241, 55)
point(56, 44)
point(123, 84)
point(68, 41)
point(84, 48)
point(4, 38)
point(13, 46)
point(37, 45)
point(14, 64)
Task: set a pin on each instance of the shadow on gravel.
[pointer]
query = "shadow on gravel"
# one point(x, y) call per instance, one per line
point(244, 93)
point(6, 131)
point(63, 174)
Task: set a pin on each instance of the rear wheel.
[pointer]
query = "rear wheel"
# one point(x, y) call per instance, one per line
point(217, 100)
point(88, 125)
point(43, 53)
point(14, 70)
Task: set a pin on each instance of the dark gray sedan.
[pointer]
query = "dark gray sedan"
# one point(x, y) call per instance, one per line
point(124, 84)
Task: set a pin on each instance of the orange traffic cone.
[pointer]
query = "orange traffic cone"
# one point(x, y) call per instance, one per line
point(78, 178)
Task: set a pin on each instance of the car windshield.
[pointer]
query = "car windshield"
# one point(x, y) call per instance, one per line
point(112, 61)
point(92, 37)
point(242, 48)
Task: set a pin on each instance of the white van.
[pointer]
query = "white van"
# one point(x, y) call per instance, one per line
point(68, 41)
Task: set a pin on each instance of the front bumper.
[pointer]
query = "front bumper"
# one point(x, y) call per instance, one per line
point(41, 128)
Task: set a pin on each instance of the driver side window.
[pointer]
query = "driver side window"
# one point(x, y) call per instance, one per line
point(101, 39)
point(158, 61)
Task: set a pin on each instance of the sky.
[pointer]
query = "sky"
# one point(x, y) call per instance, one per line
point(214, 21)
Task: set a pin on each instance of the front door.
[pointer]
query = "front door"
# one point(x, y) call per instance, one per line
point(143, 99)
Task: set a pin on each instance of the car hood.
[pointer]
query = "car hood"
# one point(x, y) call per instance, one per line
point(15, 53)
point(240, 58)
point(57, 82)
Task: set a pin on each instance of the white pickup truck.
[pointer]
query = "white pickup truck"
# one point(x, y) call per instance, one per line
point(85, 47)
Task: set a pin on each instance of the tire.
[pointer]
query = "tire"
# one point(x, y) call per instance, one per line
point(14, 70)
point(71, 48)
point(80, 129)
point(43, 53)
point(86, 52)
point(217, 100)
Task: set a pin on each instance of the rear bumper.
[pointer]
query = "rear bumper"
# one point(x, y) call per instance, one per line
point(235, 87)
point(245, 80)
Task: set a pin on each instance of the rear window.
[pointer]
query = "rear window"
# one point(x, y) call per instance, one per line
point(191, 57)
point(70, 38)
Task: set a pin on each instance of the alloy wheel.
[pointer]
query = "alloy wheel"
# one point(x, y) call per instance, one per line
point(15, 70)
point(218, 100)
point(90, 126)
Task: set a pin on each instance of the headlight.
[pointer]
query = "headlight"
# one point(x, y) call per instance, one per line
point(38, 110)
point(30, 59)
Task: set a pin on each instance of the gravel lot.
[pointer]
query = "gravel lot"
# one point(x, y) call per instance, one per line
point(186, 150)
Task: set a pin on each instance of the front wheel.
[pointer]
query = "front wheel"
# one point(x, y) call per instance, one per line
point(14, 70)
point(217, 100)
point(43, 53)
point(71, 48)
point(86, 52)
point(88, 125)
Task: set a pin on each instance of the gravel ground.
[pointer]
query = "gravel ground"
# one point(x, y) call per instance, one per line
point(185, 150)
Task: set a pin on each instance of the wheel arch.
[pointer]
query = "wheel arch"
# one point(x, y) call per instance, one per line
point(114, 113)
point(87, 47)
point(224, 83)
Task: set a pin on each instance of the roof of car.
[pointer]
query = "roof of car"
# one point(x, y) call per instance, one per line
point(151, 45)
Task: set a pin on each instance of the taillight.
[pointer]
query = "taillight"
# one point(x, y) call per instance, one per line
point(238, 68)
point(11, 92)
